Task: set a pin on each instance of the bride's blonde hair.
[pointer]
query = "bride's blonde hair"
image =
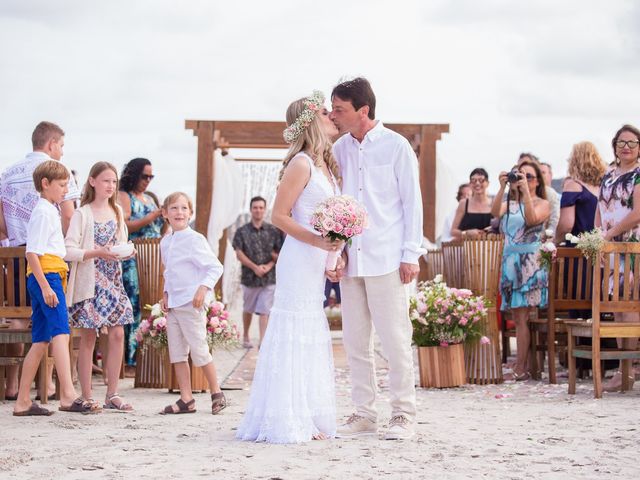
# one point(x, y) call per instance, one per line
point(312, 140)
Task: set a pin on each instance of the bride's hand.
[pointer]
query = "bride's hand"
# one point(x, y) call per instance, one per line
point(326, 243)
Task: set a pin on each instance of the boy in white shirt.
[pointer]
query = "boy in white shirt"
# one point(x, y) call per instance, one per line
point(46, 280)
point(191, 270)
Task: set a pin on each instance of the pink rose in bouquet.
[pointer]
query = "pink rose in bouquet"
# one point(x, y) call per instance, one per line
point(340, 218)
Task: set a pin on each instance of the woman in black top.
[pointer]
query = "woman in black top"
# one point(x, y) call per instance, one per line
point(474, 214)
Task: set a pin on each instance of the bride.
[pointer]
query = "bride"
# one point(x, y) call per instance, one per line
point(292, 397)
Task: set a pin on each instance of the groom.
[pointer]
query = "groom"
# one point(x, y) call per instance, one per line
point(379, 169)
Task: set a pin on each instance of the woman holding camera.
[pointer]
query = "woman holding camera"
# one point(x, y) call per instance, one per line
point(523, 283)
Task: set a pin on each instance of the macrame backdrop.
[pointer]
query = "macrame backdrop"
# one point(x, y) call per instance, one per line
point(249, 179)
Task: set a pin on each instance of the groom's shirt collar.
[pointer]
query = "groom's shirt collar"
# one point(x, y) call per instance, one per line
point(372, 135)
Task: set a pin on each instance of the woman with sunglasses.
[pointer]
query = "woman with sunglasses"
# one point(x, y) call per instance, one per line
point(618, 212)
point(143, 218)
point(523, 283)
point(473, 215)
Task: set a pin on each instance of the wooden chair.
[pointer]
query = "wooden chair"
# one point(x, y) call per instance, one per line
point(608, 296)
point(13, 304)
point(150, 364)
point(453, 263)
point(482, 260)
point(434, 263)
point(569, 289)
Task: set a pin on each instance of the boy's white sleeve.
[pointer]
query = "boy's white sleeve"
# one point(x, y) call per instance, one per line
point(207, 261)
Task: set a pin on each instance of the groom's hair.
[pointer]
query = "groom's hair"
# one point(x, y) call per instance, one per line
point(359, 92)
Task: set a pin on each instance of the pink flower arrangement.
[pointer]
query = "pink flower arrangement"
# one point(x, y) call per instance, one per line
point(221, 332)
point(442, 316)
point(153, 330)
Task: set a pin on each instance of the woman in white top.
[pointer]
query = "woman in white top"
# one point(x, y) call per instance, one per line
point(292, 397)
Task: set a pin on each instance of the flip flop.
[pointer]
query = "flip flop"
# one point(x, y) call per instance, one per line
point(80, 405)
point(11, 398)
point(34, 410)
point(182, 407)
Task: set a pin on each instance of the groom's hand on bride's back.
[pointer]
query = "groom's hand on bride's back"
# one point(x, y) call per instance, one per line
point(408, 271)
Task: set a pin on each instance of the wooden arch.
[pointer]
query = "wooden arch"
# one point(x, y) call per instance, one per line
point(214, 134)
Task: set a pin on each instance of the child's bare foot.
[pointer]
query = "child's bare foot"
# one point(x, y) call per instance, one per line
point(319, 436)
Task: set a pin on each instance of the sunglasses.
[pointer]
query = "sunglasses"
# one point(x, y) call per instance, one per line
point(146, 177)
point(629, 143)
point(479, 180)
point(530, 177)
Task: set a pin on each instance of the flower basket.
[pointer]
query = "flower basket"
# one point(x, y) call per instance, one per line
point(442, 367)
point(443, 319)
point(152, 334)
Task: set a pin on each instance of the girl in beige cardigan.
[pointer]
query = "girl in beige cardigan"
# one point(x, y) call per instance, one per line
point(95, 293)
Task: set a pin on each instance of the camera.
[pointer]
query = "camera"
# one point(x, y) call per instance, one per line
point(513, 176)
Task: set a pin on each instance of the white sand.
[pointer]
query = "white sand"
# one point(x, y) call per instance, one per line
point(512, 430)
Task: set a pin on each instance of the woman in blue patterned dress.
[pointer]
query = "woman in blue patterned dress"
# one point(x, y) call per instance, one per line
point(96, 295)
point(523, 283)
point(143, 218)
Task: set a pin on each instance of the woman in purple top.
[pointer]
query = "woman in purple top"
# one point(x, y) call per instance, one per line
point(580, 191)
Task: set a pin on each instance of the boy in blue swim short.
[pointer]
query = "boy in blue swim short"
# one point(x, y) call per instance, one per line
point(46, 279)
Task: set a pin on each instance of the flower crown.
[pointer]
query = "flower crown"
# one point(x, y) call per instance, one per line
point(312, 105)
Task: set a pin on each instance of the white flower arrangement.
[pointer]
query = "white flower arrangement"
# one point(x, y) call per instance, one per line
point(590, 243)
point(312, 105)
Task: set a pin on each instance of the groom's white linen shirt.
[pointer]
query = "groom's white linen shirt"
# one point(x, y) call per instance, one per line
point(382, 173)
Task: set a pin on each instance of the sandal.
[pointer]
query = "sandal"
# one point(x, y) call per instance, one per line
point(109, 404)
point(80, 405)
point(34, 410)
point(521, 377)
point(182, 407)
point(218, 402)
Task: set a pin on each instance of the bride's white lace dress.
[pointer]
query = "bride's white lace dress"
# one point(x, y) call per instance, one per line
point(292, 395)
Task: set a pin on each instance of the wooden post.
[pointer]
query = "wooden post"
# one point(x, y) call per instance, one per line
point(430, 134)
point(204, 186)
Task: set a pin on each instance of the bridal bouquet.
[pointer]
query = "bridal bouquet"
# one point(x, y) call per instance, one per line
point(340, 218)
point(442, 316)
point(153, 330)
point(220, 331)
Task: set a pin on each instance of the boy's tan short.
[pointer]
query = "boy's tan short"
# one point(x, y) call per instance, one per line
point(187, 331)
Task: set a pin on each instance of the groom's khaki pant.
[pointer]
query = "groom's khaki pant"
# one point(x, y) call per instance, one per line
point(382, 302)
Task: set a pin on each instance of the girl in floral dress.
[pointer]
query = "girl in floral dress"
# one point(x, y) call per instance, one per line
point(523, 283)
point(143, 218)
point(95, 291)
point(618, 212)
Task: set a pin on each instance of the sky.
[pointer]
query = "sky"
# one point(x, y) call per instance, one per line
point(120, 77)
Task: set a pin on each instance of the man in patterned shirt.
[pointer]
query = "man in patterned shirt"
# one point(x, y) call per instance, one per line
point(257, 245)
point(18, 196)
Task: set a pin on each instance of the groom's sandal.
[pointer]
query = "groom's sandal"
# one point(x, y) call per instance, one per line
point(182, 407)
point(218, 402)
